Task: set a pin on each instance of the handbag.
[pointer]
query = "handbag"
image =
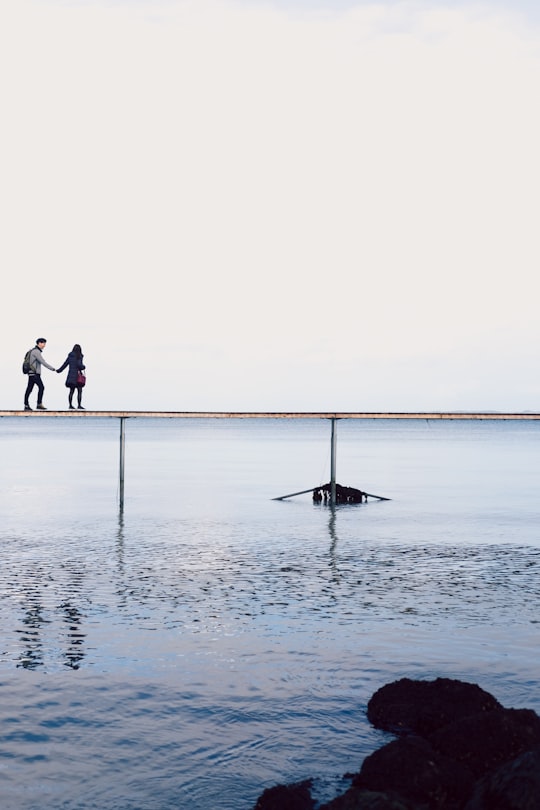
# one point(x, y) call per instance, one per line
point(81, 379)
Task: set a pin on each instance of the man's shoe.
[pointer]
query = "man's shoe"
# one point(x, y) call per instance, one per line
point(27, 408)
point(41, 407)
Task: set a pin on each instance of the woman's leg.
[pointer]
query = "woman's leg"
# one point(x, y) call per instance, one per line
point(70, 396)
point(79, 395)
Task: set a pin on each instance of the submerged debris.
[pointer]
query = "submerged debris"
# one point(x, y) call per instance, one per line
point(343, 494)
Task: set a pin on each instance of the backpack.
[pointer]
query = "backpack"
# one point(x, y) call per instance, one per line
point(26, 367)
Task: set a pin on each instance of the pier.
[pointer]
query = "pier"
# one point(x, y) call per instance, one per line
point(530, 415)
point(333, 416)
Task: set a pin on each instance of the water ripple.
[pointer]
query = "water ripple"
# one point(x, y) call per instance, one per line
point(52, 605)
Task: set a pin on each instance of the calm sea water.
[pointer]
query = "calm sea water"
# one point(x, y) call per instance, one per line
point(211, 641)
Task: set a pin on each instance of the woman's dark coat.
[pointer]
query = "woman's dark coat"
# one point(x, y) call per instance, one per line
point(75, 365)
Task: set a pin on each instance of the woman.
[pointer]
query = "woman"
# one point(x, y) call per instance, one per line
point(75, 362)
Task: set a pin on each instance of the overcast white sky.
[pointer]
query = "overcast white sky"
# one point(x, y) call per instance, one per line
point(272, 205)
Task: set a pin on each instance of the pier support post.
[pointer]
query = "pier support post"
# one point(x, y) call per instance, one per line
point(122, 461)
point(333, 465)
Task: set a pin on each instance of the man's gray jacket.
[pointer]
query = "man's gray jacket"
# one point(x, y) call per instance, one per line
point(36, 361)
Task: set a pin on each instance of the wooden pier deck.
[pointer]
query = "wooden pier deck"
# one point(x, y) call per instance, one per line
point(426, 415)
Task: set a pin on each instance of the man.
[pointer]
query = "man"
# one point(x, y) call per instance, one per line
point(34, 378)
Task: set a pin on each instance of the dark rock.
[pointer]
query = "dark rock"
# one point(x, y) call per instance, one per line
point(514, 786)
point(287, 797)
point(458, 749)
point(485, 741)
point(413, 771)
point(358, 799)
point(420, 707)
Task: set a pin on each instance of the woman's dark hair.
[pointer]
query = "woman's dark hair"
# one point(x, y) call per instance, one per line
point(77, 350)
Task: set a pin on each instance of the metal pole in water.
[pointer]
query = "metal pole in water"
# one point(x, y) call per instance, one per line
point(122, 460)
point(333, 465)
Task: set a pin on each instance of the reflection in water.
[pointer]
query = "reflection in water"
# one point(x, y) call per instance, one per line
point(31, 656)
point(333, 544)
point(332, 510)
point(75, 638)
point(121, 588)
point(41, 619)
point(120, 542)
